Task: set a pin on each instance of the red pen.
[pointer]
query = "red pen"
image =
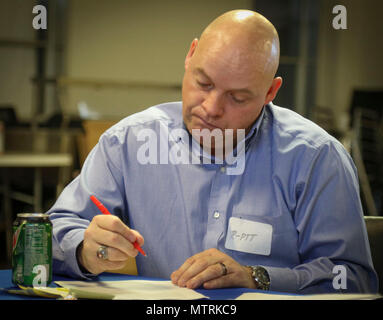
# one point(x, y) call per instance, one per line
point(104, 210)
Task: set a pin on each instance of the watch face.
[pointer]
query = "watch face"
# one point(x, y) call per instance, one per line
point(261, 276)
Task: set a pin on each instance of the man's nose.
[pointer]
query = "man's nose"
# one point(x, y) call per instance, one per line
point(213, 104)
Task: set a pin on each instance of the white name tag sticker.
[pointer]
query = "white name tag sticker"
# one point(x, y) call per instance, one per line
point(249, 236)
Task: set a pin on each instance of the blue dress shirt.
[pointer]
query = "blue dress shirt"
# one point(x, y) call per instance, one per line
point(296, 178)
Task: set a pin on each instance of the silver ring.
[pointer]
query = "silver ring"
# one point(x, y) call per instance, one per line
point(224, 269)
point(102, 252)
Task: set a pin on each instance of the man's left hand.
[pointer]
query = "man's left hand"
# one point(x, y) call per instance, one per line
point(205, 268)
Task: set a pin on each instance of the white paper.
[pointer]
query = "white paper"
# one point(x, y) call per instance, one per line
point(134, 289)
point(249, 236)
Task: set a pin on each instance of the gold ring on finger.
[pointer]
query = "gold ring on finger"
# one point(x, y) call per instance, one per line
point(224, 269)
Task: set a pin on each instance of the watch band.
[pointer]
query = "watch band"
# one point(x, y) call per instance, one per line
point(261, 277)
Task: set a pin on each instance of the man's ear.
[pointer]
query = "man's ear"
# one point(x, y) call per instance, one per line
point(193, 46)
point(273, 90)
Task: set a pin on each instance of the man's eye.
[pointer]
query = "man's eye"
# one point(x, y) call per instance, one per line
point(237, 100)
point(204, 85)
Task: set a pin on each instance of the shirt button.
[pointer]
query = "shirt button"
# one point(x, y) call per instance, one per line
point(216, 214)
point(223, 169)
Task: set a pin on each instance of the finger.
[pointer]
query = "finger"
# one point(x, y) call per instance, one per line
point(138, 237)
point(199, 265)
point(212, 272)
point(203, 259)
point(237, 276)
point(226, 281)
point(116, 255)
point(112, 265)
point(176, 275)
point(114, 240)
point(93, 263)
point(114, 223)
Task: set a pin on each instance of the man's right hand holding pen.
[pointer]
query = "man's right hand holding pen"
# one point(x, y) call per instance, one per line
point(109, 231)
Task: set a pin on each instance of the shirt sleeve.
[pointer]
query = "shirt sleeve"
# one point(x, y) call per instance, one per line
point(331, 230)
point(71, 214)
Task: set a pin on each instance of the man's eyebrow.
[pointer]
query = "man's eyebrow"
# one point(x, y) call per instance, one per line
point(202, 72)
point(245, 91)
point(239, 90)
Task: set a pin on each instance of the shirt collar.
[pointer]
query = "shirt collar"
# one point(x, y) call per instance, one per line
point(254, 128)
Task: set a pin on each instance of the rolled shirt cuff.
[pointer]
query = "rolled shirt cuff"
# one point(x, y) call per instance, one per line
point(282, 279)
point(70, 264)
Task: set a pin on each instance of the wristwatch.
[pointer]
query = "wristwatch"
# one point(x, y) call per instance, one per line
point(261, 277)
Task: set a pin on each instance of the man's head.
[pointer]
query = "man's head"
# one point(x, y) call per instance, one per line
point(229, 72)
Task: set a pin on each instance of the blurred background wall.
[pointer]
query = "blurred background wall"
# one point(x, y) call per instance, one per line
point(349, 59)
point(133, 51)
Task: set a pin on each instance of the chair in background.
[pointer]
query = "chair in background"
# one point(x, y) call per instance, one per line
point(367, 147)
point(93, 129)
point(375, 235)
point(8, 115)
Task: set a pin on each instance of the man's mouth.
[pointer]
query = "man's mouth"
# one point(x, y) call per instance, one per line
point(207, 124)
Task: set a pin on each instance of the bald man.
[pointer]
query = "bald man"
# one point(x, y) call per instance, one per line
point(223, 189)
